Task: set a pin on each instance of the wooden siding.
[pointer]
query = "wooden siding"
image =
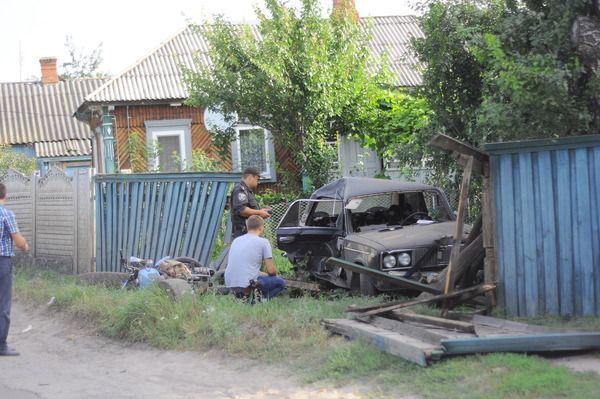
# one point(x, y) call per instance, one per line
point(139, 114)
point(548, 226)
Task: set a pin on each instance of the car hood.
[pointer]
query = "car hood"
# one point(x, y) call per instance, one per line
point(406, 237)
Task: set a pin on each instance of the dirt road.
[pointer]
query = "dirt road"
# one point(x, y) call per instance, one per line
point(61, 360)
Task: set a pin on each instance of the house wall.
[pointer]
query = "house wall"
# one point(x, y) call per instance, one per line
point(130, 120)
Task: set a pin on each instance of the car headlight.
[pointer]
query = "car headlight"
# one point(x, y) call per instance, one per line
point(389, 261)
point(404, 259)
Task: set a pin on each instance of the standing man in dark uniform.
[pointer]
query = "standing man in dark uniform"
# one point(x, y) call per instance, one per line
point(243, 202)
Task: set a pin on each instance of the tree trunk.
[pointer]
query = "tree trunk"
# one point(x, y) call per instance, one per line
point(585, 35)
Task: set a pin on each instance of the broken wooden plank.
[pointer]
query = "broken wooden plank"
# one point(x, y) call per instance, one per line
point(542, 342)
point(421, 333)
point(460, 221)
point(454, 325)
point(485, 325)
point(396, 344)
point(447, 143)
point(302, 285)
point(371, 310)
point(383, 276)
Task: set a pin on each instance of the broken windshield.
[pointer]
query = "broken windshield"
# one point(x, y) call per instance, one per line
point(396, 209)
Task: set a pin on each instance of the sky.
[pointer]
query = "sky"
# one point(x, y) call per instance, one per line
point(127, 29)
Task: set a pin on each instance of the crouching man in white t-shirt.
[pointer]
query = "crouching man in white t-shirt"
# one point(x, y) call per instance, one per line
point(246, 256)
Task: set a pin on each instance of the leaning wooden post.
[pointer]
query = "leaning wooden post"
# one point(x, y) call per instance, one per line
point(489, 235)
point(460, 222)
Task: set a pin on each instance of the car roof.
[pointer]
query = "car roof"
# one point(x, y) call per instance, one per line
point(348, 187)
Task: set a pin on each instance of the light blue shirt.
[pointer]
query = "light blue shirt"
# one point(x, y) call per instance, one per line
point(246, 256)
point(8, 226)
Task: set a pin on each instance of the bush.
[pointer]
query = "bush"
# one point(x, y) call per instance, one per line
point(9, 158)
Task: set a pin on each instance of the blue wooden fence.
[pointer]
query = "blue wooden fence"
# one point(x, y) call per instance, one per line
point(547, 204)
point(158, 214)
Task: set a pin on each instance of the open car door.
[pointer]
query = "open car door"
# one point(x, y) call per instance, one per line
point(311, 227)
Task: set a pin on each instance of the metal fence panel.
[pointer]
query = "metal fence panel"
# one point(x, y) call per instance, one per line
point(548, 225)
point(156, 215)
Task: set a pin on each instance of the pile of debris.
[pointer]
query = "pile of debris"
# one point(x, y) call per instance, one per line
point(422, 339)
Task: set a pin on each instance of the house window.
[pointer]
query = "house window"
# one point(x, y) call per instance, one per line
point(172, 141)
point(254, 147)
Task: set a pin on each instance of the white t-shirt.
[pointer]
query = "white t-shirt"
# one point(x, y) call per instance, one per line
point(246, 256)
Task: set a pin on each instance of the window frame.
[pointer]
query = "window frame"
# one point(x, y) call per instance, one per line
point(181, 128)
point(268, 175)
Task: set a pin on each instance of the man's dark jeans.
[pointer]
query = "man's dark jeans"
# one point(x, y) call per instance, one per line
point(6, 279)
point(270, 286)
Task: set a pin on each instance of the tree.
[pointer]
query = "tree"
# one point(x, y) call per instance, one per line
point(504, 70)
point(391, 121)
point(305, 79)
point(81, 63)
point(10, 158)
point(510, 70)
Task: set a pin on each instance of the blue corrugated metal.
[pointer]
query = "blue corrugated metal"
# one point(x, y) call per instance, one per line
point(547, 196)
point(156, 215)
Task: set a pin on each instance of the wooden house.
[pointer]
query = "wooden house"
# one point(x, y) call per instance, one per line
point(145, 104)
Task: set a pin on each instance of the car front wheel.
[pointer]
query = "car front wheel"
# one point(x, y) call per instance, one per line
point(367, 286)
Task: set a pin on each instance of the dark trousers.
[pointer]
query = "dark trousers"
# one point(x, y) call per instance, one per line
point(6, 280)
point(271, 286)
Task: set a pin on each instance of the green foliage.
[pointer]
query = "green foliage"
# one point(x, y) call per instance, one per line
point(203, 162)
point(304, 80)
point(500, 70)
point(287, 331)
point(81, 64)
point(391, 121)
point(9, 158)
point(270, 197)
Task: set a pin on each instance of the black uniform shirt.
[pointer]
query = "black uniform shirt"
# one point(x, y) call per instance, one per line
point(241, 197)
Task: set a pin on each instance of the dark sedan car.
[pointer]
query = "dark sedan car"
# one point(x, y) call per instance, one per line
point(401, 228)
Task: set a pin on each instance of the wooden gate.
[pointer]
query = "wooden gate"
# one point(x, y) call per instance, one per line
point(159, 214)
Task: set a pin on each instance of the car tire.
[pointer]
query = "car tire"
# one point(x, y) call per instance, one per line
point(367, 286)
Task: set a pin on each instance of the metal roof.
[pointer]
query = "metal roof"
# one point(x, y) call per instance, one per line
point(71, 148)
point(157, 75)
point(393, 35)
point(36, 113)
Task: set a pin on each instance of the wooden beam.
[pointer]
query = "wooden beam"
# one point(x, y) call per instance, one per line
point(396, 344)
point(382, 276)
point(372, 310)
point(454, 325)
point(421, 333)
point(489, 235)
point(460, 222)
point(485, 325)
point(447, 143)
point(547, 342)
point(302, 285)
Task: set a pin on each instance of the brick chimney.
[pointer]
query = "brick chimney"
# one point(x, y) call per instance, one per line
point(49, 73)
point(345, 6)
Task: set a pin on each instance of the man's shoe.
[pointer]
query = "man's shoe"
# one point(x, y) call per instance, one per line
point(9, 352)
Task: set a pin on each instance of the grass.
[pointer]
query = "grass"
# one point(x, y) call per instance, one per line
point(286, 331)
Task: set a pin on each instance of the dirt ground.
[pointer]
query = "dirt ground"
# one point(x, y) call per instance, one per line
point(62, 360)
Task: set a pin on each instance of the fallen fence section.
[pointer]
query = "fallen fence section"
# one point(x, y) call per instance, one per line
point(158, 214)
point(423, 339)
